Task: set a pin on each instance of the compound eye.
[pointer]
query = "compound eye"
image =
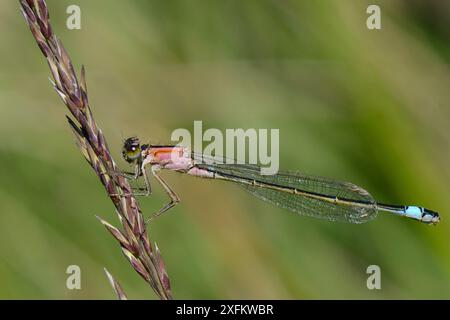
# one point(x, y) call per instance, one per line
point(133, 153)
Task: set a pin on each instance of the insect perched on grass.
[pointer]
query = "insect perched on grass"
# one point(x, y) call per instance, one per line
point(307, 195)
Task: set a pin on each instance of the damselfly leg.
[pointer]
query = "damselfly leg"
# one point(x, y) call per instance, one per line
point(174, 199)
point(142, 172)
point(131, 177)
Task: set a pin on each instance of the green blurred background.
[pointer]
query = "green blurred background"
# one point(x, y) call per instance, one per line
point(365, 106)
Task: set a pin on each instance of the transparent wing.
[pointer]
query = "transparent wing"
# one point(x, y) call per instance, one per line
point(359, 206)
point(314, 207)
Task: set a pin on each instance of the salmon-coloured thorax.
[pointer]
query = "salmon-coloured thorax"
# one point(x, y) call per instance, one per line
point(171, 158)
point(174, 158)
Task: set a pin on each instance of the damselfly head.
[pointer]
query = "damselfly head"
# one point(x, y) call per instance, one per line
point(131, 150)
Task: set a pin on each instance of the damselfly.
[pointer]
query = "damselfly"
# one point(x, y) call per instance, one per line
point(307, 195)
